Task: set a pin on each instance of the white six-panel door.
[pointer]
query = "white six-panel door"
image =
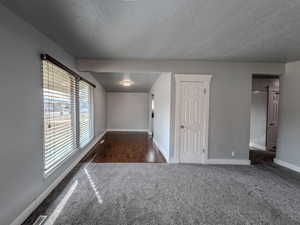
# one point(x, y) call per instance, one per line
point(192, 108)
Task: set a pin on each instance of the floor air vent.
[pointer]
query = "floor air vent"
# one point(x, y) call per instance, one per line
point(40, 220)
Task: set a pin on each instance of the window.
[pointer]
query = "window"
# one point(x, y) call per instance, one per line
point(67, 113)
point(86, 131)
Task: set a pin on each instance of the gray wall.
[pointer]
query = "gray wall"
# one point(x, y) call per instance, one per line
point(230, 99)
point(162, 113)
point(21, 154)
point(288, 147)
point(100, 122)
point(127, 111)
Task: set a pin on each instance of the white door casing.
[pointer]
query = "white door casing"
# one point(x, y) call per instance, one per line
point(192, 118)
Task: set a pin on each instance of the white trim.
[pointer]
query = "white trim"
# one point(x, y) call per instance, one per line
point(193, 77)
point(161, 149)
point(287, 165)
point(204, 78)
point(129, 130)
point(33, 205)
point(228, 161)
point(150, 133)
point(260, 147)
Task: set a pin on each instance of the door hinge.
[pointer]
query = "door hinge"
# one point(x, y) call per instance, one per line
point(204, 91)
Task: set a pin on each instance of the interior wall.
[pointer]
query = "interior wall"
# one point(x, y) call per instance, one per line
point(127, 111)
point(21, 155)
point(100, 122)
point(162, 113)
point(230, 98)
point(289, 120)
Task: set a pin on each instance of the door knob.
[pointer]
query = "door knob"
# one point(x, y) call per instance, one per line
point(182, 126)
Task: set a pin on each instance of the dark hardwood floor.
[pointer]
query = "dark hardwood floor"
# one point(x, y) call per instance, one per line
point(126, 147)
point(261, 157)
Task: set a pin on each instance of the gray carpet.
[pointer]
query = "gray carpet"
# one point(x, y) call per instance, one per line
point(146, 194)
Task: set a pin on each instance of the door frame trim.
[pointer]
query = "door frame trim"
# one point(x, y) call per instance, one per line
point(203, 78)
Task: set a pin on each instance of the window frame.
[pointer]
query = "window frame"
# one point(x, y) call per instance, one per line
point(91, 116)
point(75, 119)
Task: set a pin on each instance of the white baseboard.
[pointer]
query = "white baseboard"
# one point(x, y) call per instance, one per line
point(261, 147)
point(161, 149)
point(220, 161)
point(287, 165)
point(23, 216)
point(128, 130)
point(173, 161)
point(228, 161)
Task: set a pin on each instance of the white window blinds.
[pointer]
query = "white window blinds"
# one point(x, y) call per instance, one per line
point(85, 112)
point(68, 114)
point(59, 115)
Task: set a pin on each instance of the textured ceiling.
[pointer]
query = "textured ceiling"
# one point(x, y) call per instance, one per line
point(142, 81)
point(230, 30)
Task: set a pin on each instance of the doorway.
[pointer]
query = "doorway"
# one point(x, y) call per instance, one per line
point(152, 115)
point(191, 118)
point(128, 118)
point(264, 118)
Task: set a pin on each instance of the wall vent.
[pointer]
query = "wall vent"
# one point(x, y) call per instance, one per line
point(40, 220)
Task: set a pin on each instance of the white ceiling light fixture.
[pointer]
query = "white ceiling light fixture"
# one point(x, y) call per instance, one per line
point(126, 83)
